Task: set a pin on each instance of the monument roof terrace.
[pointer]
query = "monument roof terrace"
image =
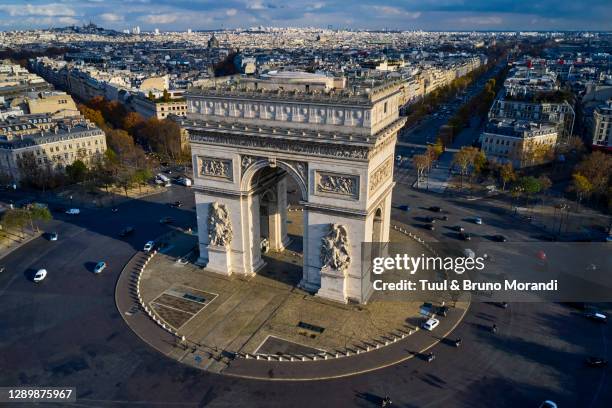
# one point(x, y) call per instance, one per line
point(357, 91)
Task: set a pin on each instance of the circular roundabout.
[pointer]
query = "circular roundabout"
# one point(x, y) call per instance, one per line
point(264, 326)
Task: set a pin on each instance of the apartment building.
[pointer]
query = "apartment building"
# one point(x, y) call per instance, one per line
point(601, 126)
point(520, 142)
point(55, 148)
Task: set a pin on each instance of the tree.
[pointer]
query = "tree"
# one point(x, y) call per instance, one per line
point(597, 168)
point(507, 174)
point(528, 186)
point(545, 183)
point(166, 96)
point(77, 171)
point(162, 137)
point(141, 177)
point(468, 157)
point(151, 96)
point(582, 186)
point(132, 121)
point(421, 163)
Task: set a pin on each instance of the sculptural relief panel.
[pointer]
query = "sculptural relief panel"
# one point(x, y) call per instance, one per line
point(337, 184)
point(215, 168)
point(381, 174)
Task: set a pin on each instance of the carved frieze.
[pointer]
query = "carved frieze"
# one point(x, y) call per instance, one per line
point(337, 184)
point(247, 160)
point(300, 168)
point(381, 174)
point(315, 149)
point(219, 225)
point(215, 167)
point(336, 249)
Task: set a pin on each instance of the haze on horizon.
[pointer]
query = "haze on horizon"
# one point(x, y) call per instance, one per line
point(435, 15)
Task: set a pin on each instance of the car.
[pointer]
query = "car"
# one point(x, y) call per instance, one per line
point(435, 209)
point(404, 207)
point(2, 269)
point(430, 357)
point(443, 218)
point(73, 211)
point(596, 316)
point(114, 210)
point(430, 220)
point(100, 266)
point(176, 204)
point(166, 220)
point(478, 221)
point(126, 231)
point(40, 275)
point(548, 404)
point(595, 362)
point(53, 236)
point(430, 324)
point(149, 246)
point(499, 238)
point(442, 311)
point(430, 227)
point(458, 228)
point(466, 236)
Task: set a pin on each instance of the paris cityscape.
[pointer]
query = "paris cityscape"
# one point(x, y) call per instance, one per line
point(269, 204)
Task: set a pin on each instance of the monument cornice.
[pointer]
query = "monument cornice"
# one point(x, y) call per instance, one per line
point(336, 145)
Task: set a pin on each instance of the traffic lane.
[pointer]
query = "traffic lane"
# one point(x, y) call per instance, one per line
point(495, 222)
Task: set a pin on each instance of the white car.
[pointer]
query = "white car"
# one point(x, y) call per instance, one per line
point(53, 236)
point(149, 246)
point(40, 275)
point(100, 266)
point(73, 211)
point(430, 324)
point(478, 221)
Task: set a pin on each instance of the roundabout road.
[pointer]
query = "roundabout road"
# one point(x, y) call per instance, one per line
point(66, 331)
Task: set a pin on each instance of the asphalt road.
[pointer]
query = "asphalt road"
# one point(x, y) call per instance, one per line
point(66, 331)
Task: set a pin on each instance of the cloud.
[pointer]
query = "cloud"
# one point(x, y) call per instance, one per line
point(484, 20)
point(396, 11)
point(111, 17)
point(231, 12)
point(255, 5)
point(51, 10)
point(159, 18)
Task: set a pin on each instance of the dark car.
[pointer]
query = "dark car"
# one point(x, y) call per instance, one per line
point(458, 228)
point(126, 231)
point(443, 218)
point(430, 220)
point(465, 236)
point(166, 220)
point(435, 209)
point(59, 209)
point(176, 204)
point(499, 238)
point(430, 227)
point(442, 311)
point(596, 362)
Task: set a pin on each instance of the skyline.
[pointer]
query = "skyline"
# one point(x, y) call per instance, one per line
point(446, 15)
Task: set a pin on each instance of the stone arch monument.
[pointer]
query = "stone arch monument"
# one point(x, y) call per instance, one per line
point(250, 135)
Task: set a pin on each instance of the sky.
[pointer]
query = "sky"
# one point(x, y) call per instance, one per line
point(441, 15)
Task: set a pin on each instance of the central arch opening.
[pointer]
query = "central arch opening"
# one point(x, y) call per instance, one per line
point(277, 224)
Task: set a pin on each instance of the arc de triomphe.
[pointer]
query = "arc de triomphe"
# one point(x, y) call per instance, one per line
point(248, 136)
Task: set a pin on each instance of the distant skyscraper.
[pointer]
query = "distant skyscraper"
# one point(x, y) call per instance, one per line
point(189, 31)
point(157, 31)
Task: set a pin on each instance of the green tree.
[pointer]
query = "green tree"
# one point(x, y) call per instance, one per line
point(77, 171)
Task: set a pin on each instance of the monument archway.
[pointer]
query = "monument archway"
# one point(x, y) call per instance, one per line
point(245, 146)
